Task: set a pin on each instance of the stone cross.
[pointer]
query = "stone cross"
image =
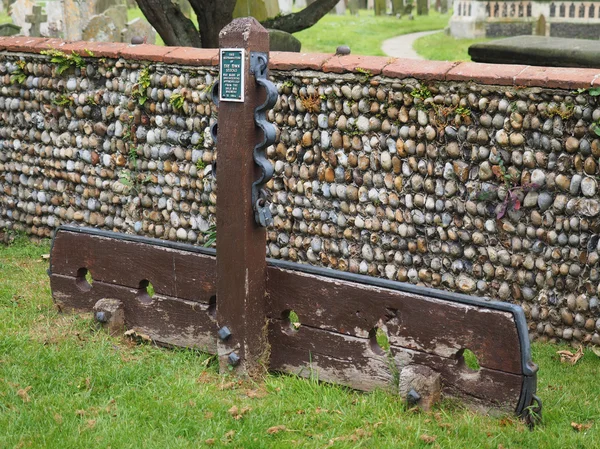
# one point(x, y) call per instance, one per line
point(36, 18)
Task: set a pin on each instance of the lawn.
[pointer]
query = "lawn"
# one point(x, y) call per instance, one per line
point(441, 47)
point(364, 33)
point(64, 384)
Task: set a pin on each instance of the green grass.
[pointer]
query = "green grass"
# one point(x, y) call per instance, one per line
point(64, 384)
point(441, 47)
point(364, 33)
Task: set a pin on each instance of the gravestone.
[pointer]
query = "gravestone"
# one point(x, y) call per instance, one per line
point(300, 4)
point(19, 10)
point(259, 9)
point(540, 26)
point(340, 8)
point(379, 7)
point(282, 41)
point(118, 14)
point(444, 7)
point(103, 5)
point(422, 8)
point(397, 6)
point(185, 7)
point(8, 29)
point(139, 28)
point(538, 51)
point(286, 6)
point(76, 16)
point(101, 28)
point(35, 19)
point(353, 7)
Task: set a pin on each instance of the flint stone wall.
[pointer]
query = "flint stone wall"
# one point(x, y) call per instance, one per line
point(460, 176)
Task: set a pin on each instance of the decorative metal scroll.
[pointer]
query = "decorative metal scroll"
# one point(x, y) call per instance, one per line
point(258, 66)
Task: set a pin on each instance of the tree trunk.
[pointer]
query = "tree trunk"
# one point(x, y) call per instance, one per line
point(168, 20)
point(301, 20)
point(212, 18)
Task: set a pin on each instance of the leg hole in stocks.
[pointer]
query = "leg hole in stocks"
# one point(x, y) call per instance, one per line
point(212, 307)
point(84, 280)
point(291, 321)
point(467, 358)
point(378, 338)
point(146, 291)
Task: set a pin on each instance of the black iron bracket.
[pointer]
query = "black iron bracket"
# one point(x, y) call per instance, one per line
point(260, 197)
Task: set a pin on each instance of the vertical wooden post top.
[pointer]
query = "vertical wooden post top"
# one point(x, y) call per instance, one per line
point(241, 251)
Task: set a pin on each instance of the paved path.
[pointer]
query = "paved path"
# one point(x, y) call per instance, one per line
point(402, 46)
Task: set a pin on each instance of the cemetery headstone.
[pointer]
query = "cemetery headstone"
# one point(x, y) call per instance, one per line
point(35, 19)
point(8, 29)
point(19, 11)
point(379, 7)
point(76, 16)
point(185, 7)
point(397, 6)
point(300, 4)
point(340, 8)
point(103, 5)
point(282, 41)
point(138, 28)
point(540, 27)
point(101, 28)
point(259, 9)
point(353, 7)
point(422, 8)
point(118, 15)
point(286, 6)
point(538, 51)
point(444, 7)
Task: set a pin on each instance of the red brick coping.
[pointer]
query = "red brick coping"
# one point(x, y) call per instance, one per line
point(493, 74)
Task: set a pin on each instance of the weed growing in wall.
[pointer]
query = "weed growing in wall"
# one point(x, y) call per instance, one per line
point(367, 74)
point(19, 76)
point(422, 92)
point(177, 101)
point(63, 100)
point(139, 92)
point(65, 61)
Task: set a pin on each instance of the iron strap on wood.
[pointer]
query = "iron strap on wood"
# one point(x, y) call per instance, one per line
point(260, 198)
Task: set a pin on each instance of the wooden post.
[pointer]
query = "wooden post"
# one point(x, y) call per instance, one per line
point(241, 244)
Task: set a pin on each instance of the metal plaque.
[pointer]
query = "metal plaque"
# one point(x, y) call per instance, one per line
point(231, 78)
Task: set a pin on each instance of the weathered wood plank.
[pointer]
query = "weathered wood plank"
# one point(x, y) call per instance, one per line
point(346, 360)
point(172, 272)
point(167, 320)
point(353, 362)
point(414, 322)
